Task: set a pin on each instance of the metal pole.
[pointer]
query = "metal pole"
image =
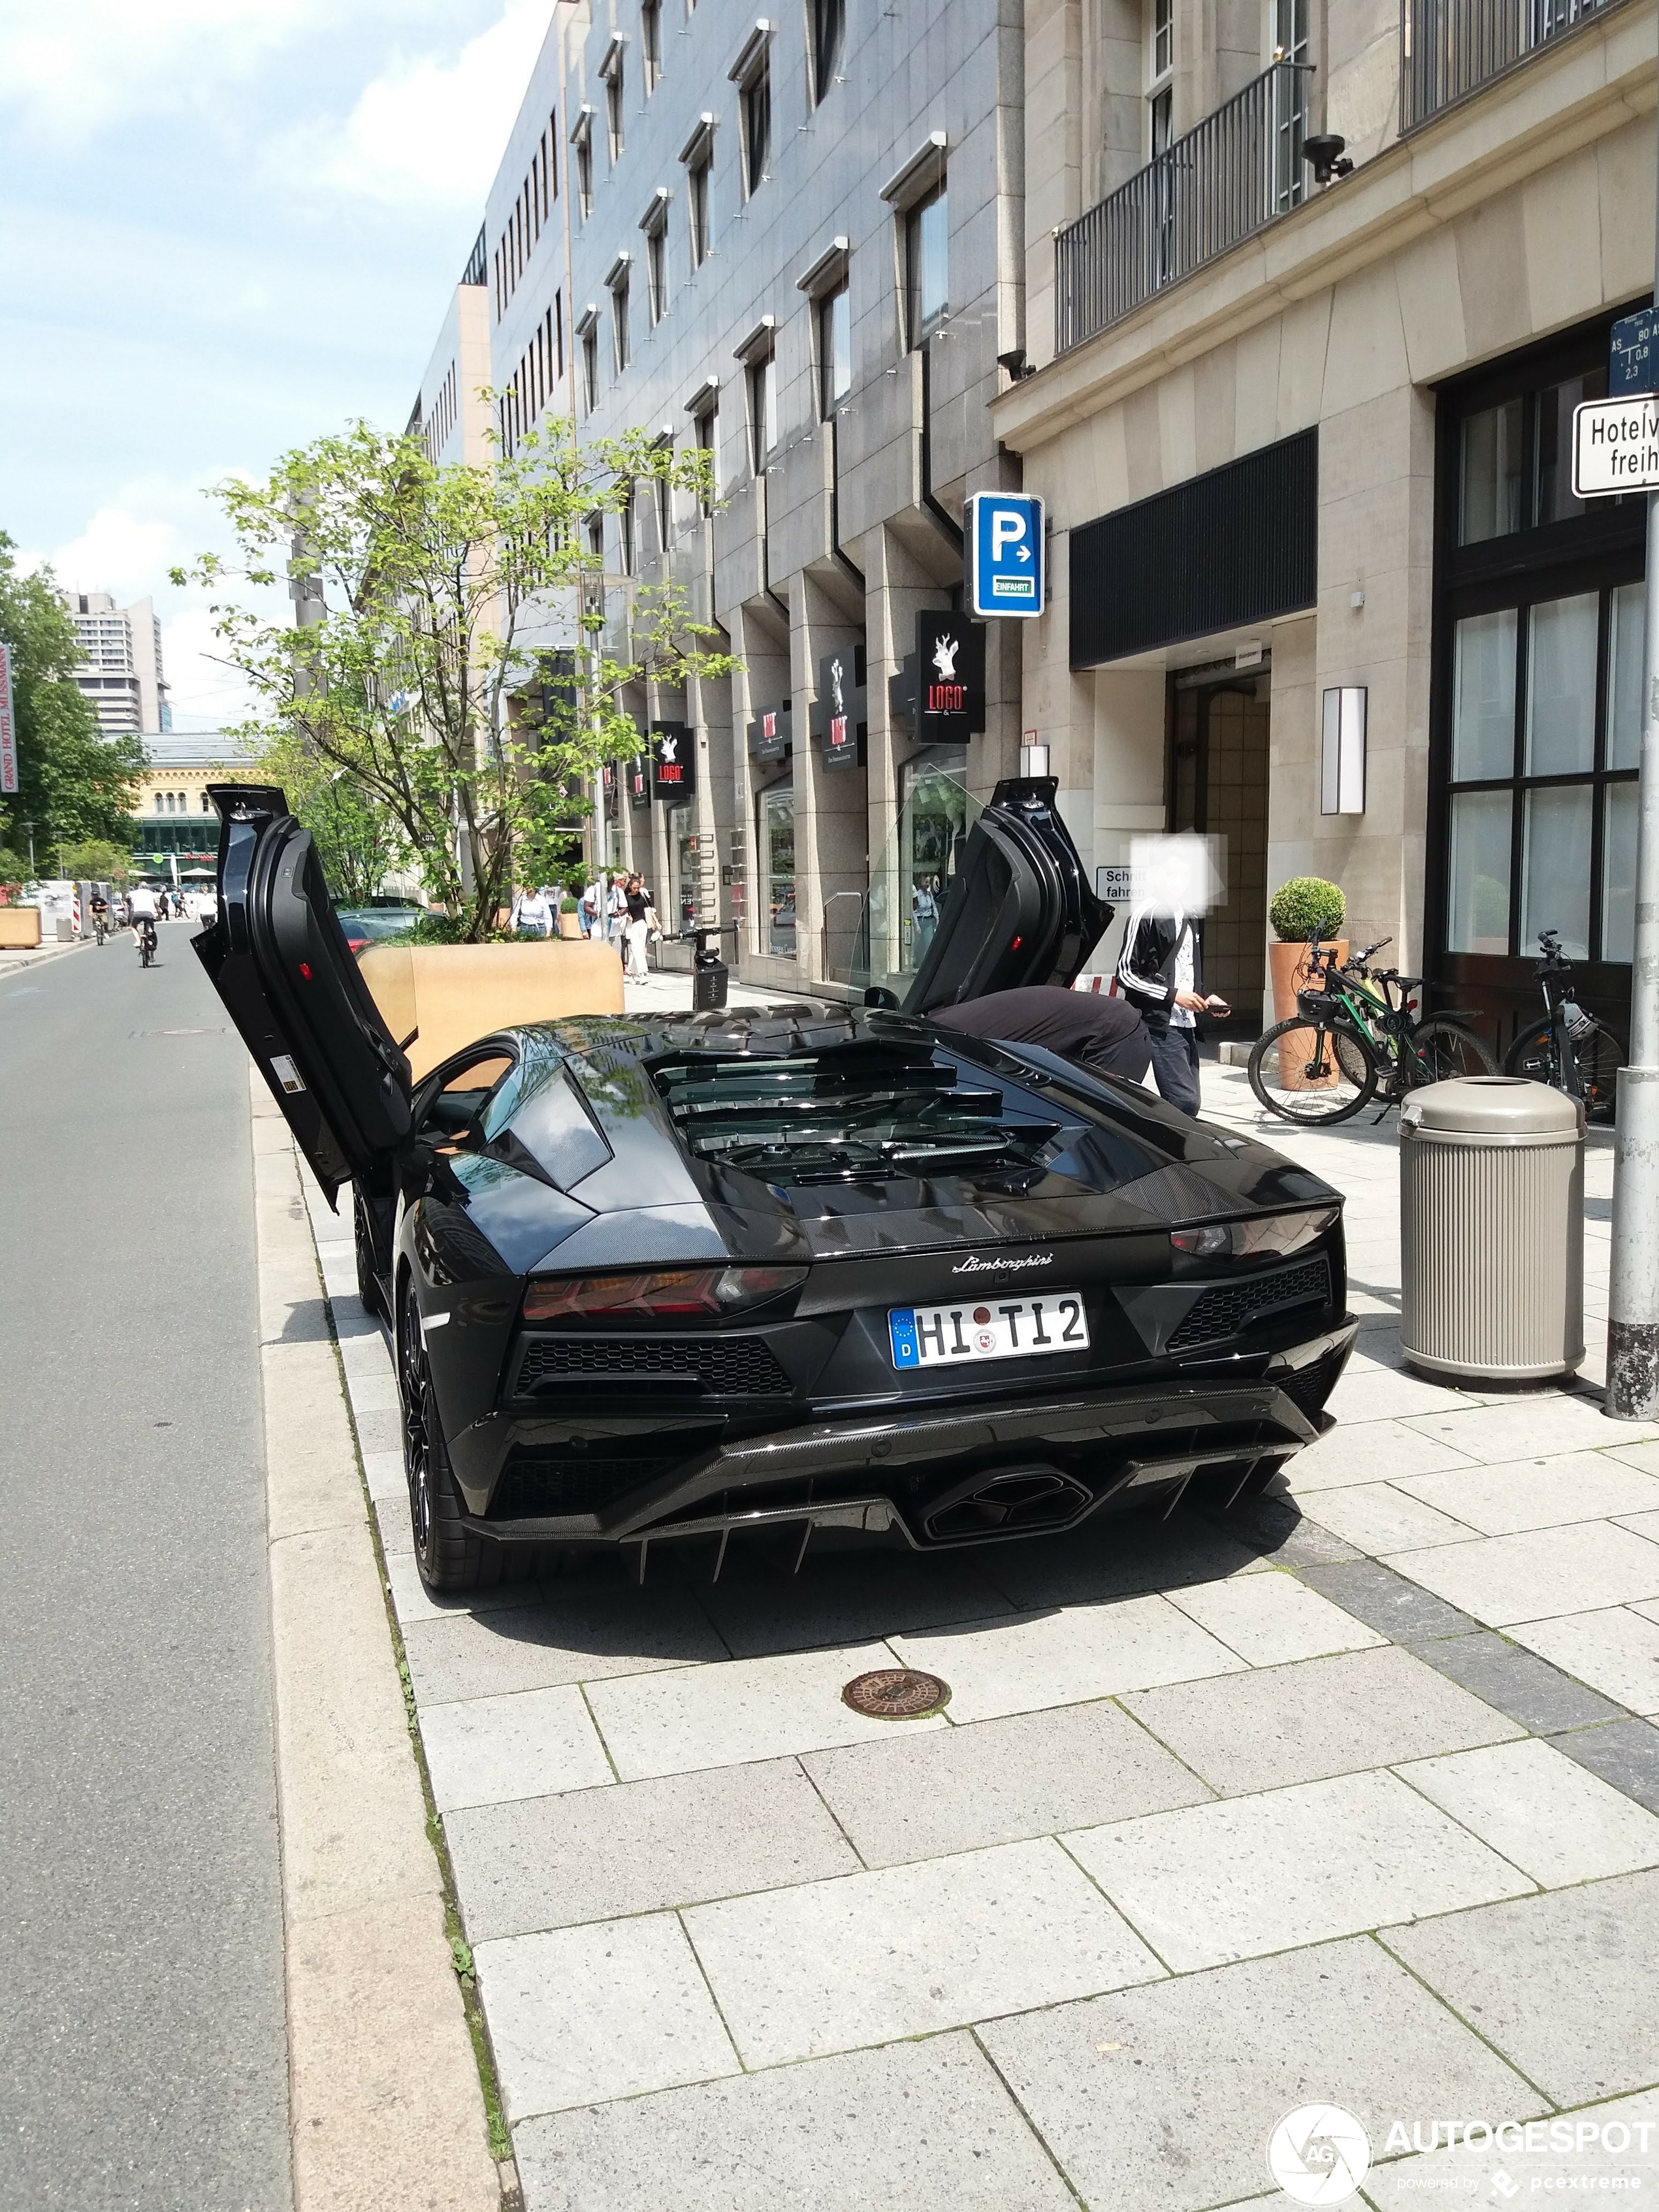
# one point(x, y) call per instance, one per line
point(1633, 1277)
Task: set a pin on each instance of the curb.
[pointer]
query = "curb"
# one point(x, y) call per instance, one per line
point(385, 2103)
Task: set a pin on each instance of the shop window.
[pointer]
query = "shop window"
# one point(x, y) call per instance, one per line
point(1483, 697)
point(1626, 622)
point(1552, 445)
point(1560, 721)
point(1490, 478)
point(776, 828)
point(933, 807)
point(682, 868)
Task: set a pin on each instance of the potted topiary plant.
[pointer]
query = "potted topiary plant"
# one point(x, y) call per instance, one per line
point(1306, 905)
point(570, 917)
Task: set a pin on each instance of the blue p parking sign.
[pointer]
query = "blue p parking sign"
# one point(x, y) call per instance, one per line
point(1006, 557)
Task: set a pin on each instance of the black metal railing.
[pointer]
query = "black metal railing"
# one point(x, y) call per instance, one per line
point(1451, 48)
point(477, 262)
point(1206, 192)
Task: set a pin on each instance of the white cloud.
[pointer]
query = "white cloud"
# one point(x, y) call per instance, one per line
point(120, 552)
point(428, 131)
point(205, 694)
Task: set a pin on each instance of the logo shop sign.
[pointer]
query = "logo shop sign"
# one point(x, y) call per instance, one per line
point(768, 735)
point(1615, 446)
point(639, 780)
point(1005, 549)
point(7, 725)
point(673, 760)
point(838, 716)
point(950, 678)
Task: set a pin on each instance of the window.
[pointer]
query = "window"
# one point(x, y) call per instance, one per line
point(756, 127)
point(625, 530)
point(619, 322)
point(697, 207)
point(1515, 461)
point(584, 175)
point(595, 542)
point(664, 504)
point(708, 432)
point(763, 412)
point(590, 368)
point(651, 43)
point(927, 257)
point(834, 350)
point(777, 829)
point(656, 270)
point(1160, 70)
point(161, 803)
point(828, 35)
point(613, 98)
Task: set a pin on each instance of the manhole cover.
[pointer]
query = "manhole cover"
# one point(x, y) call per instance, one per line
point(896, 1693)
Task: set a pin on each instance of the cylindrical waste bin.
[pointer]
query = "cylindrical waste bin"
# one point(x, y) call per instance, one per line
point(1491, 1229)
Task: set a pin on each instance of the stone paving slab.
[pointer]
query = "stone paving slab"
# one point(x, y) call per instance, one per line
point(1371, 1451)
point(1376, 1517)
point(998, 1781)
point(1248, 1875)
point(1322, 1718)
point(1500, 1579)
point(913, 2127)
point(1561, 1982)
point(1062, 1658)
point(1165, 2096)
point(1517, 1682)
point(530, 1743)
point(1544, 1813)
point(1513, 1495)
point(848, 1599)
point(641, 1846)
point(907, 1950)
point(1463, 2175)
point(536, 1646)
point(1615, 1650)
point(1269, 1619)
point(1623, 1753)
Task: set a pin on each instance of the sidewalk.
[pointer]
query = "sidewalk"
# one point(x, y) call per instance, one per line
point(1351, 1799)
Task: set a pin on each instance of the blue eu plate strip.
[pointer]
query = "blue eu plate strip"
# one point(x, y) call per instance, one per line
point(902, 1330)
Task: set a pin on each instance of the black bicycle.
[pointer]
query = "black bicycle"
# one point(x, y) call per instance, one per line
point(1566, 1047)
point(1357, 1035)
point(146, 941)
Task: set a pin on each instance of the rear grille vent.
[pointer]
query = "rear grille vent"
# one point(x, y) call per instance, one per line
point(1309, 1387)
point(1230, 1307)
point(532, 1488)
point(733, 1367)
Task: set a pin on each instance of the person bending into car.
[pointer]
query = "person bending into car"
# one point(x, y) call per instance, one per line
point(1104, 1036)
point(1158, 972)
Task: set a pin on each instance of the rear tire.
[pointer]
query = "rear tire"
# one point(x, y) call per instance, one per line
point(1313, 1076)
point(449, 1555)
point(1599, 1056)
point(1446, 1050)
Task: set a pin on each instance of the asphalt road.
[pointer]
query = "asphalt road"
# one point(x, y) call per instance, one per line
point(142, 2044)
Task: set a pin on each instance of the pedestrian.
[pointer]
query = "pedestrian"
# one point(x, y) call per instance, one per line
point(532, 915)
point(1104, 1036)
point(590, 908)
point(1159, 971)
point(616, 910)
point(637, 902)
point(924, 919)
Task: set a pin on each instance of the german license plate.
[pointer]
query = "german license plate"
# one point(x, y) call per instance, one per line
point(994, 1329)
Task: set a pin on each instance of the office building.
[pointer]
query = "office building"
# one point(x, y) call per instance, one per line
point(120, 666)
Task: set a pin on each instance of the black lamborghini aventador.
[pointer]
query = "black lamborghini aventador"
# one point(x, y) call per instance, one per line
point(816, 1267)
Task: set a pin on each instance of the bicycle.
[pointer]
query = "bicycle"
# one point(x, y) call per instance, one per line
point(1567, 1048)
point(1349, 1034)
point(146, 941)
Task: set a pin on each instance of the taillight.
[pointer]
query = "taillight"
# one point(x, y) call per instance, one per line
point(661, 1295)
point(1272, 1237)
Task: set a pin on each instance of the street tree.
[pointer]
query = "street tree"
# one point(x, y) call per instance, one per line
point(420, 672)
point(96, 861)
point(73, 783)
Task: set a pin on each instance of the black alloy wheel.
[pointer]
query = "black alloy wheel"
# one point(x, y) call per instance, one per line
point(1444, 1051)
point(448, 1554)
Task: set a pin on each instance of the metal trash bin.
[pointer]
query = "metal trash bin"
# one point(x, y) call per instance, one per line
point(1491, 1229)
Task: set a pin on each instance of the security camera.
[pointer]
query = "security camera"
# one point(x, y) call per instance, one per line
point(1325, 153)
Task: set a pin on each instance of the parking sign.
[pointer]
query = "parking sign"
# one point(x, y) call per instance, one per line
point(1006, 554)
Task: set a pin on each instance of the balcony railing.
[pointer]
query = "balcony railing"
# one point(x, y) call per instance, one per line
point(1206, 193)
point(1451, 48)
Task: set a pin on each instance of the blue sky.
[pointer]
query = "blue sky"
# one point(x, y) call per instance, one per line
point(226, 226)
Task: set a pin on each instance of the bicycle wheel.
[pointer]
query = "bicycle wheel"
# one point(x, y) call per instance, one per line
point(1313, 1075)
point(1601, 1052)
point(1441, 1051)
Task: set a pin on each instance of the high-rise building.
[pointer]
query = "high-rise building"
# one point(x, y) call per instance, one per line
point(120, 666)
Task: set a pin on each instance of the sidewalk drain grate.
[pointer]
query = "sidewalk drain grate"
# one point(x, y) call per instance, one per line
point(896, 1693)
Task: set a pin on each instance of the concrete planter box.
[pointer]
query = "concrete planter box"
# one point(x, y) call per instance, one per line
point(450, 995)
point(20, 928)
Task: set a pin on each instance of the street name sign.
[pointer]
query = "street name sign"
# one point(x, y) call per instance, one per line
point(7, 725)
point(1615, 446)
point(1006, 554)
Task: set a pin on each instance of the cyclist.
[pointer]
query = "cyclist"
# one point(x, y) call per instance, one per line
point(142, 912)
point(101, 916)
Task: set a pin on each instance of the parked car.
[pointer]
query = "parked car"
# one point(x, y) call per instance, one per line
point(367, 925)
point(661, 1280)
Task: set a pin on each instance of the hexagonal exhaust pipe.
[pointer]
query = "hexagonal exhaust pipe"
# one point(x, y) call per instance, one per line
point(1006, 1501)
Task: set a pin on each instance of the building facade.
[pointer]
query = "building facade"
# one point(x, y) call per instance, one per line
point(174, 820)
point(1306, 443)
point(1282, 308)
point(120, 668)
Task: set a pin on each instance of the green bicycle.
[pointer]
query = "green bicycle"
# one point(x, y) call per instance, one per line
point(1356, 1032)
